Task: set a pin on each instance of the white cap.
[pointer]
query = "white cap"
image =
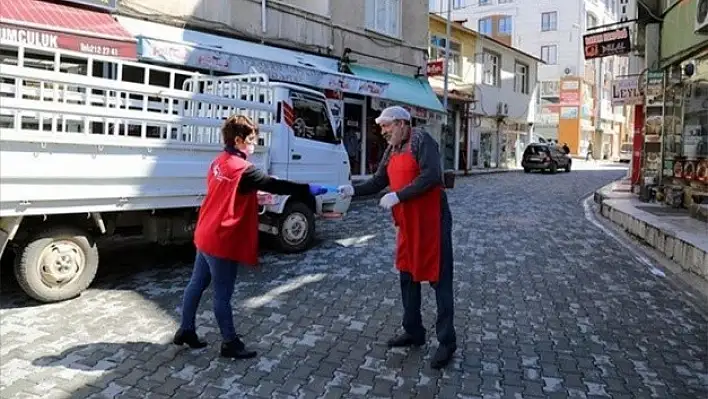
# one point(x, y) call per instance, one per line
point(391, 114)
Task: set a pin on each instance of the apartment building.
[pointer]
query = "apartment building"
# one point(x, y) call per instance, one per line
point(553, 31)
point(491, 92)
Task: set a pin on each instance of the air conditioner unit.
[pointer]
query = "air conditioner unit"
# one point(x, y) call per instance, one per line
point(701, 16)
point(502, 109)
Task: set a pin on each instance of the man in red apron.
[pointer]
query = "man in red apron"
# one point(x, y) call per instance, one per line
point(411, 168)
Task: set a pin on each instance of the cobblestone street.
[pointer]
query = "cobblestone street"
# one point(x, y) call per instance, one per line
point(547, 306)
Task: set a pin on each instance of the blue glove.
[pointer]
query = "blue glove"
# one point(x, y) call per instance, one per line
point(317, 190)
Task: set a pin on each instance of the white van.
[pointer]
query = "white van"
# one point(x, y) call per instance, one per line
point(93, 146)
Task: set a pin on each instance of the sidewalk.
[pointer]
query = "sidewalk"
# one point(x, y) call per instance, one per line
point(671, 232)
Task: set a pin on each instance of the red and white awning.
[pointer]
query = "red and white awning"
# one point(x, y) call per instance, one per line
point(57, 26)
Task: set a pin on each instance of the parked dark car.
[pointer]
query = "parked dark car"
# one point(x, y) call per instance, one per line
point(542, 156)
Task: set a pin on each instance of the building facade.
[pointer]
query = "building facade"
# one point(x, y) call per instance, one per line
point(372, 52)
point(553, 31)
point(363, 55)
point(492, 97)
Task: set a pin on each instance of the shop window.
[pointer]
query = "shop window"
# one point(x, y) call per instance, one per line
point(311, 120)
point(549, 21)
point(384, 16)
point(492, 69)
point(521, 78)
point(437, 52)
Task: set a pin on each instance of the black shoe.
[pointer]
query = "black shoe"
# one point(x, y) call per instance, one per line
point(236, 350)
point(188, 337)
point(405, 340)
point(442, 356)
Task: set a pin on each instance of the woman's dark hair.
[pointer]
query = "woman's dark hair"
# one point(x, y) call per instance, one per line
point(237, 126)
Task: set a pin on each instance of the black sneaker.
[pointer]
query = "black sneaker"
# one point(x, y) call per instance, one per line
point(188, 337)
point(405, 340)
point(236, 350)
point(442, 356)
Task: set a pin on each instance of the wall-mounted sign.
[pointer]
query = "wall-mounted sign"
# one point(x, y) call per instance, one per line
point(569, 112)
point(436, 68)
point(608, 43)
point(550, 88)
point(625, 91)
point(109, 5)
point(74, 42)
point(180, 54)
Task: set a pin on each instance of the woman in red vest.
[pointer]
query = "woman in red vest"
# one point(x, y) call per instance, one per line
point(226, 235)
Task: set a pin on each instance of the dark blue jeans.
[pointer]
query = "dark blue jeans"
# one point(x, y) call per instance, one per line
point(223, 273)
point(410, 292)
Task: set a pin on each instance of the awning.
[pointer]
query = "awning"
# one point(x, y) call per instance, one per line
point(57, 26)
point(172, 45)
point(402, 89)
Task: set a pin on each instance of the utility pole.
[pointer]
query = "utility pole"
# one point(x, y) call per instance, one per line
point(448, 36)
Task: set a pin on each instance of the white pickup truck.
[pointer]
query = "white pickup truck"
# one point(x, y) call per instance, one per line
point(93, 146)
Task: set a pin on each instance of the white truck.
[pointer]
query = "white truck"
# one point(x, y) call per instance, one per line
point(94, 146)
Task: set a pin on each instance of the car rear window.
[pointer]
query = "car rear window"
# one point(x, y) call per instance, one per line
point(535, 150)
point(626, 147)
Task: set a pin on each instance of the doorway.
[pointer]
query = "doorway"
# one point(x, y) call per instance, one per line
point(354, 134)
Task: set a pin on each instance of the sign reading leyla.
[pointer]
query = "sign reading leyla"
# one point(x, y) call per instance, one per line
point(606, 44)
point(436, 68)
point(74, 42)
point(625, 91)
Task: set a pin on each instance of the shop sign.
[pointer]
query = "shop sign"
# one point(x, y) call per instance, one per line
point(606, 44)
point(180, 54)
point(655, 84)
point(570, 92)
point(550, 89)
point(350, 84)
point(625, 91)
point(108, 5)
point(50, 40)
point(435, 68)
point(569, 113)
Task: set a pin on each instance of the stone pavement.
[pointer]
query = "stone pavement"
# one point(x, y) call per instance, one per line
point(547, 306)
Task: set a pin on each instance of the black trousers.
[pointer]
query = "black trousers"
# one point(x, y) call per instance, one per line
point(411, 295)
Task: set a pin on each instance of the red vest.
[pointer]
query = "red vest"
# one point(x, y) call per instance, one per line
point(227, 227)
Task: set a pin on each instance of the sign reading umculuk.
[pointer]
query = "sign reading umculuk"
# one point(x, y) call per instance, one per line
point(626, 91)
point(608, 43)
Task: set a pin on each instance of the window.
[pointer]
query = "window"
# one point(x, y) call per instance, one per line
point(484, 26)
point(311, 119)
point(521, 78)
point(437, 52)
point(505, 25)
point(505, 1)
point(549, 54)
point(590, 21)
point(457, 4)
point(483, 2)
point(384, 16)
point(549, 21)
point(492, 69)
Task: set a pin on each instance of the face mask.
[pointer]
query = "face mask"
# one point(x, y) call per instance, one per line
point(250, 149)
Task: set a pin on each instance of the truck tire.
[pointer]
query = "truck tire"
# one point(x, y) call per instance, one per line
point(296, 228)
point(57, 264)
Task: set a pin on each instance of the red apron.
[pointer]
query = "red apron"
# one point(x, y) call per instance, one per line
point(417, 219)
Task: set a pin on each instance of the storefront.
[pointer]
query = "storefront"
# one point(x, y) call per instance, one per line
point(674, 140)
point(414, 94)
point(46, 26)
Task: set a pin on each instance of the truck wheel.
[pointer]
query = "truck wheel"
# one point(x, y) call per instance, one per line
point(57, 264)
point(296, 228)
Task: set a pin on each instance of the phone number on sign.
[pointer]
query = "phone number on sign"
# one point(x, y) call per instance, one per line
point(99, 50)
